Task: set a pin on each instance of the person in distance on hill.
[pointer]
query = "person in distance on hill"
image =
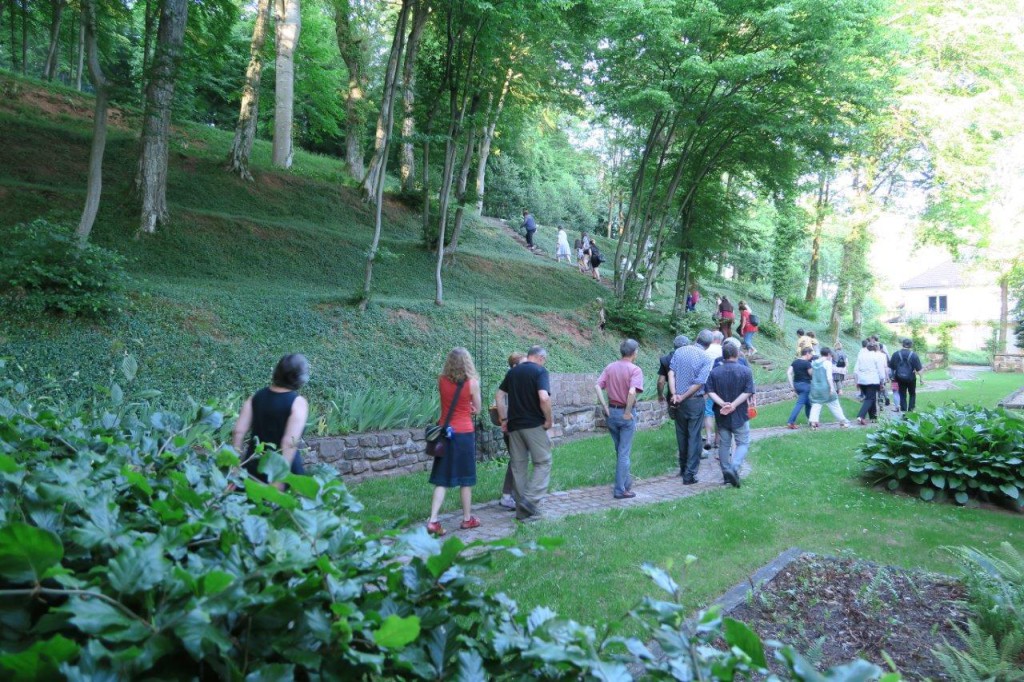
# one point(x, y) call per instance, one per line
point(459, 386)
point(747, 328)
point(623, 380)
point(578, 245)
point(692, 299)
point(276, 416)
point(729, 386)
point(799, 375)
point(527, 389)
point(871, 372)
point(562, 251)
point(906, 368)
point(815, 345)
point(595, 260)
point(725, 317)
point(688, 372)
point(508, 487)
point(530, 225)
point(823, 390)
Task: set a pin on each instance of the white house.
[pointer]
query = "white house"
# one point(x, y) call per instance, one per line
point(951, 292)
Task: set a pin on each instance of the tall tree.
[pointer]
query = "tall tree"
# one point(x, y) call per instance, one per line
point(288, 22)
point(53, 52)
point(407, 170)
point(384, 126)
point(490, 125)
point(151, 178)
point(354, 46)
point(94, 185)
point(248, 115)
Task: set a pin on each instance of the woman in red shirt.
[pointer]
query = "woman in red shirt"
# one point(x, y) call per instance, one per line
point(725, 316)
point(458, 466)
point(747, 330)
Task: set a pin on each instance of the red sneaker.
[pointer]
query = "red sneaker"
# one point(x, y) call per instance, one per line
point(473, 522)
point(435, 528)
point(792, 426)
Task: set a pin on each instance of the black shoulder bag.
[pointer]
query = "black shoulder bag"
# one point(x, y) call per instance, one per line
point(437, 435)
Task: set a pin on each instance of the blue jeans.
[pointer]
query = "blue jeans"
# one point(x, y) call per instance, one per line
point(689, 420)
point(622, 431)
point(727, 458)
point(748, 340)
point(803, 391)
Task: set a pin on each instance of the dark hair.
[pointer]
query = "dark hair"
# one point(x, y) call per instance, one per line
point(811, 334)
point(872, 345)
point(864, 343)
point(908, 343)
point(292, 372)
point(874, 337)
point(800, 332)
point(825, 352)
point(730, 351)
point(806, 351)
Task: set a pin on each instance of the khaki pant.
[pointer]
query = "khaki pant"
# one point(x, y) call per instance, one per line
point(526, 445)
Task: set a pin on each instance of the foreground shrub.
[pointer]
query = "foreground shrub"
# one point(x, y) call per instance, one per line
point(769, 329)
point(133, 547)
point(44, 268)
point(957, 451)
point(376, 410)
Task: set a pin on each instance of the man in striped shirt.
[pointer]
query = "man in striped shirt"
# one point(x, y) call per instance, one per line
point(688, 372)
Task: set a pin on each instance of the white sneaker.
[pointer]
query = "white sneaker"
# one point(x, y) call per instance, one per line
point(507, 502)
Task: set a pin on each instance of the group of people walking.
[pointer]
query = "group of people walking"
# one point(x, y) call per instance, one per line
point(818, 373)
point(588, 257)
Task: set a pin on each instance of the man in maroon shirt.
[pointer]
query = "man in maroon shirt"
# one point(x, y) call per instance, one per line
point(623, 380)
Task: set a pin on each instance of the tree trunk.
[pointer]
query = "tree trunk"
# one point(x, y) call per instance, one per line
point(353, 49)
point(1004, 314)
point(407, 170)
point(679, 303)
point(245, 129)
point(151, 13)
point(778, 311)
point(24, 37)
point(80, 60)
point(287, 26)
point(813, 270)
point(53, 53)
point(151, 179)
point(720, 267)
point(460, 187)
point(387, 116)
point(13, 7)
point(99, 125)
point(487, 139)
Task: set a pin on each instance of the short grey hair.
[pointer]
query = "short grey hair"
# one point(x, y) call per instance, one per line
point(731, 341)
point(730, 351)
point(681, 340)
point(537, 351)
point(292, 372)
point(628, 347)
point(716, 337)
point(704, 338)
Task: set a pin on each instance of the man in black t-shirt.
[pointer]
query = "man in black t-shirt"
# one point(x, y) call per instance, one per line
point(528, 391)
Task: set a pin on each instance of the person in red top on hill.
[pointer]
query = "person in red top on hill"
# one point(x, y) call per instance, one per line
point(458, 466)
point(725, 316)
point(747, 327)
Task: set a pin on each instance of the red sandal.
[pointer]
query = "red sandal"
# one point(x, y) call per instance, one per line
point(473, 522)
point(435, 528)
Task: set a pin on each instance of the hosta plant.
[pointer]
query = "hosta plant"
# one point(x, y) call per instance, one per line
point(133, 547)
point(956, 451)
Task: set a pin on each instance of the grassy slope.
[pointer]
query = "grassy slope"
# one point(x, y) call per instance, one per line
point(248, 271)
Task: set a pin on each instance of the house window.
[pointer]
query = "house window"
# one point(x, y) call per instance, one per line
point(937, 304)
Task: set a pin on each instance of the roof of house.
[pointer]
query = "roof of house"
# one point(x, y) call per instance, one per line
point(949, 274)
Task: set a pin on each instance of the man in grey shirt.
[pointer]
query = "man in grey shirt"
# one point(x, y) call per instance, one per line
point(688, 372)
point(530, 225)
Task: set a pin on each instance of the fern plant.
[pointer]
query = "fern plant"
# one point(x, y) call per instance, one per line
point(982, 658)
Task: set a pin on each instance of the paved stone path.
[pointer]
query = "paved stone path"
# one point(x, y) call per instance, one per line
point(498, 522)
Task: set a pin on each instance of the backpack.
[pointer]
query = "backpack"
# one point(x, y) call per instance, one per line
point(904, 370)
point(595, 256)
point(840, 359)
point(753, 320)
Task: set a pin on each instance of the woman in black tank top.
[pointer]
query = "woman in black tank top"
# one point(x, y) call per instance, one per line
point(276, 417)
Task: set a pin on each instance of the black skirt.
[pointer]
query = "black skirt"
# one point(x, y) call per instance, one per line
point(458, 466)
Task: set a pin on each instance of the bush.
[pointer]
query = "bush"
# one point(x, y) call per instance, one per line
point(917, 327)
point(961, 452)
point(693, 323)
point(770, 330)
point(376, 410)
point(133, 547)
point(44, 268)
point(628, 316)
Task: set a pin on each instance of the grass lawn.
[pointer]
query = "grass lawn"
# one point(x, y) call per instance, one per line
point(804, 491)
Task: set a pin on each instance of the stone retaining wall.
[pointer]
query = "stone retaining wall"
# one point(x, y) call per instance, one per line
point(574, 410)
point(1008, 362)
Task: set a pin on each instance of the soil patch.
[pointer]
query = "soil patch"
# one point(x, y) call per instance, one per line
point(559, 325)
point(841, 609)
point(406, 317)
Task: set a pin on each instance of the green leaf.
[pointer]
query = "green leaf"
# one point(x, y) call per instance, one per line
point(40, 661)
point(303, 485)
point(8, 465)
point(737, 634)
point(927, 494)
point(129, 368)
point(1010, 491)
point(661, 578)
point(116, 394)
point(961, 497)
point(137, 569)
point(439, 563)
point(273, 466)
point(136, 479)
point(216, 582)
point(26, 552)
point(261, 492)
point(275, 672)
point(939, 481)
point(93, 616)
point(396, 632)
